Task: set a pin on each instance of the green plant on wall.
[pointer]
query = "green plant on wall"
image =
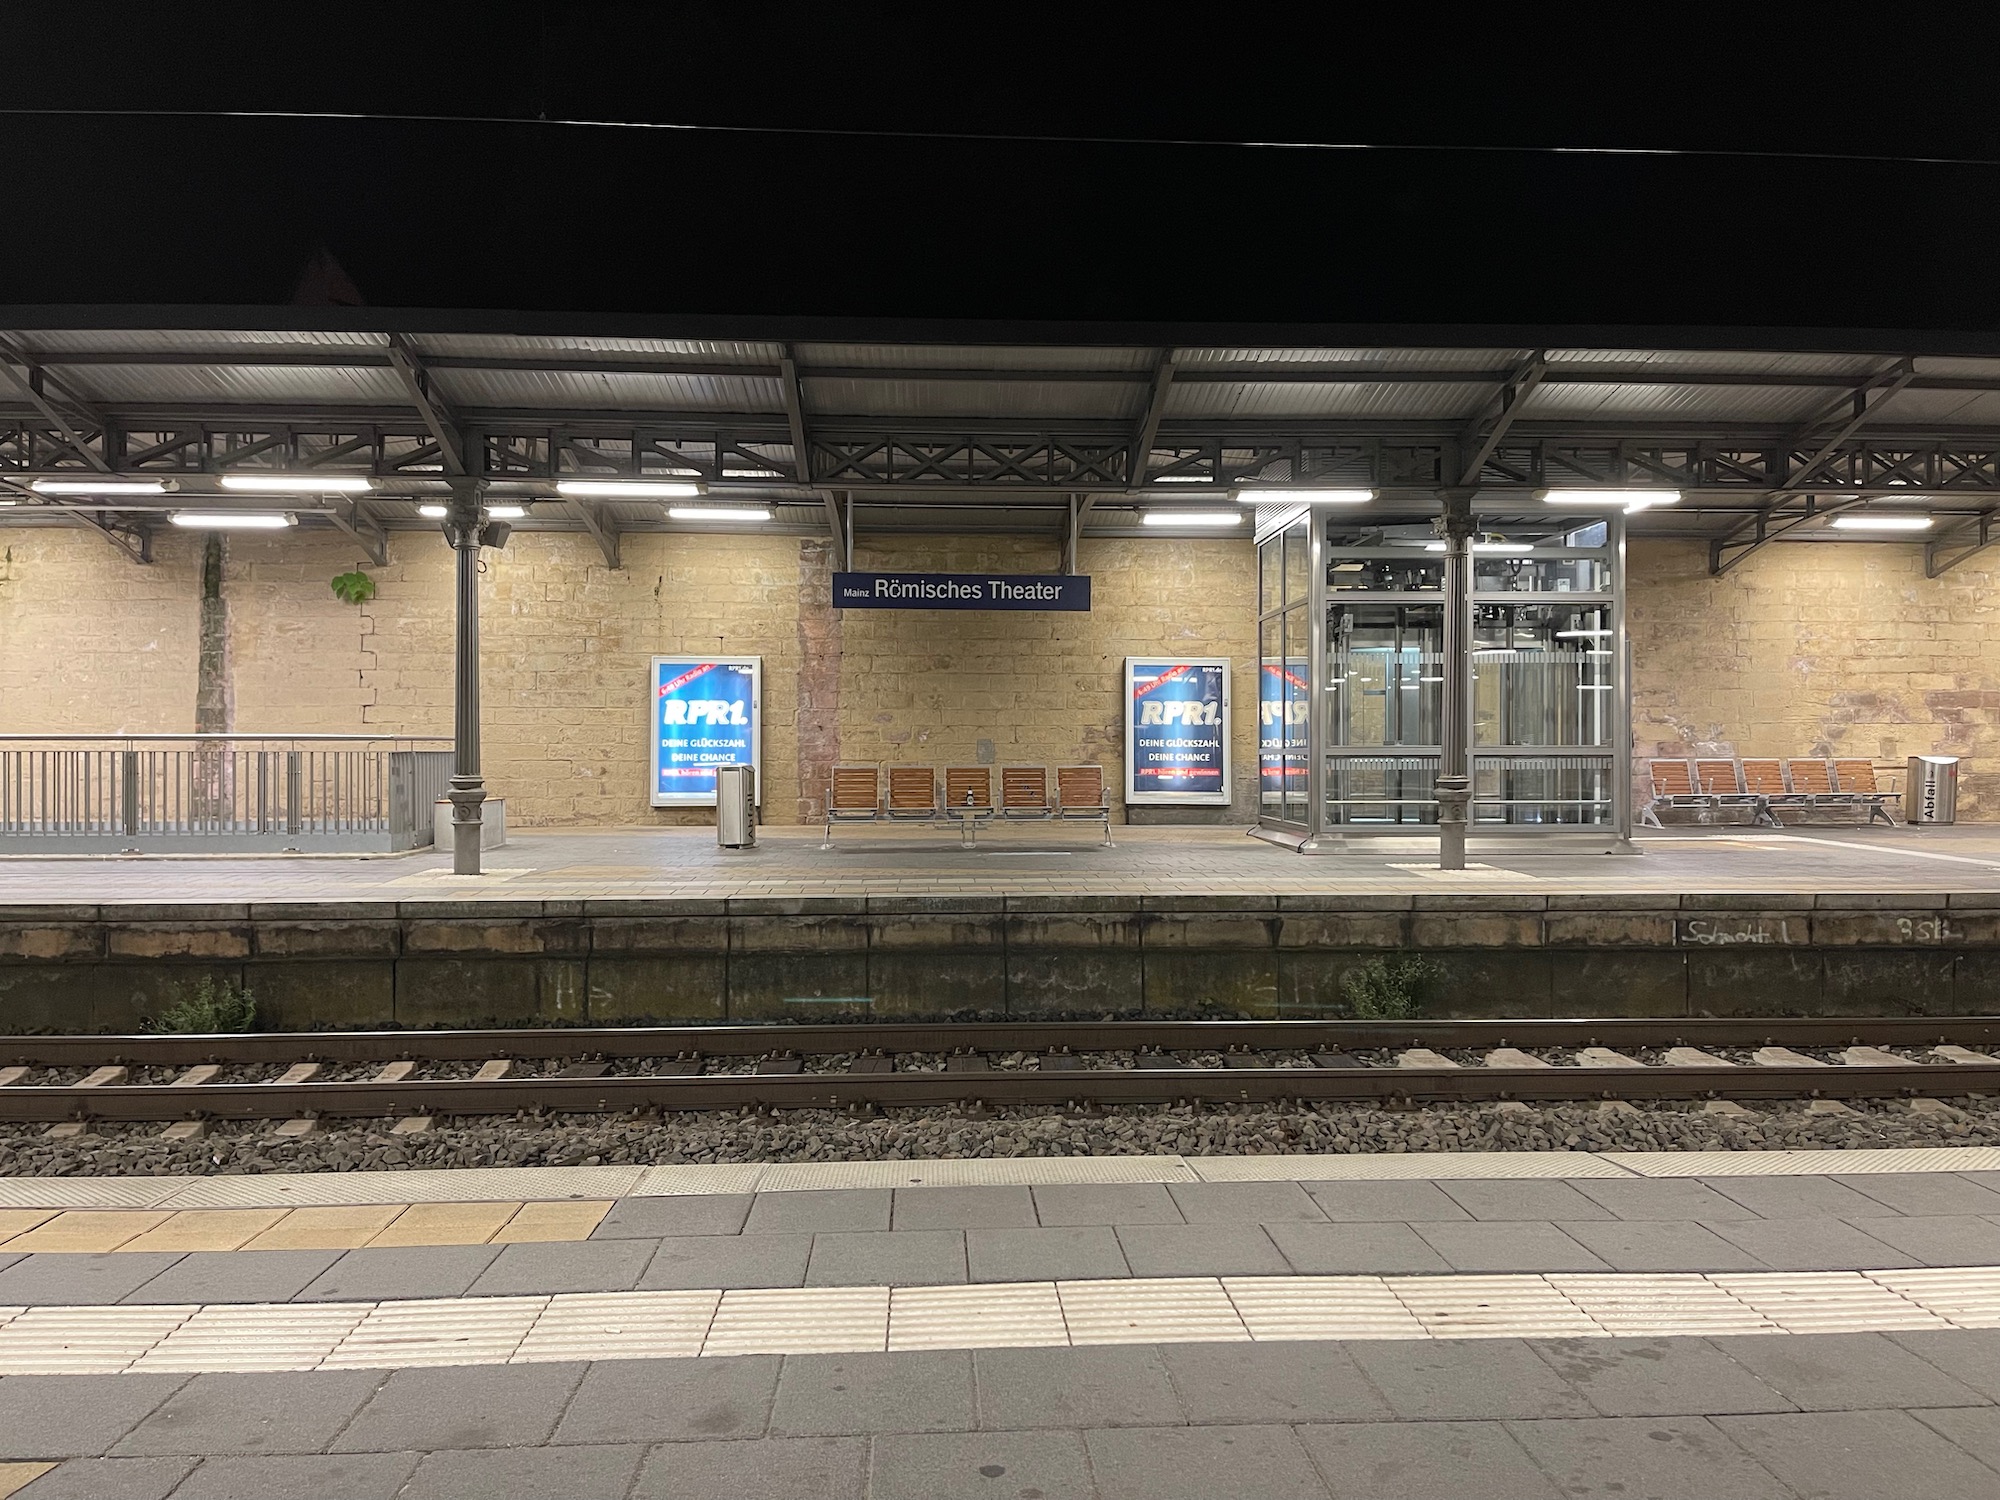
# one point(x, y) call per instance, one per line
point(1389, 989)
point(211, 1008)
point(354, 588)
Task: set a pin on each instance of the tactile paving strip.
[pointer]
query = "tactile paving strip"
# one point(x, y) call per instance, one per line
point(1415, 1165)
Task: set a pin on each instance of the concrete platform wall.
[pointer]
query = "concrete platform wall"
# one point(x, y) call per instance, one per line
point(92, 968)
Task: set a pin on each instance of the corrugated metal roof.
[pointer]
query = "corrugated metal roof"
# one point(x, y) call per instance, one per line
point(495, 346)
point(1723, 361)
point(1335, 399)
point(1610, 402)
point(572, 390)
point(163, 341)
point(166, 385)
point(975, 357)
point(1382, 358)
point(998, 399)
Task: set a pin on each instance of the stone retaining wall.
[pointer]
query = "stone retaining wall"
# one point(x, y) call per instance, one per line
point(92, 968)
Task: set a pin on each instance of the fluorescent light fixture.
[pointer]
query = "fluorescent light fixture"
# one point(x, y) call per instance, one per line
point(1881, 523)
point(298, 484)
point(629, 489)
point(506, 512)
point(100, 487)
point(1582, 635)
point(1182, 479)
point(1430, 679)
point(432, 512)
point(1304, 497)
point(1502, 547)
point(1192, 518)
point(719, 512)
point(6, 501)
point(1626, 500)
point(232, 520)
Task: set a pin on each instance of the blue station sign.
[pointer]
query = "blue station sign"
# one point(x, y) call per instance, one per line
point(961, 591)
point(704, 715)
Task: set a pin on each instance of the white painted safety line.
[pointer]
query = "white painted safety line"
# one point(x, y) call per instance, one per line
point(838, 1320)
point(556, 1184)
point(1881, 848)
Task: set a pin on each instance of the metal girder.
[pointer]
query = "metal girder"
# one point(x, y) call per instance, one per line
point(1767, 526)
point(1965, 540)
point(1884, 385)
point(438, 417)
point(356, 519)
point(1149, 421)
point(795, 416)
point(19, 370)
point(1080, 507)
point(603, 529)
point(1484, 432)
point(840, 521)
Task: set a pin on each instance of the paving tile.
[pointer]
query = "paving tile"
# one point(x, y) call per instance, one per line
point(930, 1466)
point(660, 1218)
point(1275, 1382)
point(1970, 1356)
point(1801, 1197)
point(83, 1231)
point(1383, 1202)
point(911, 1257)
point(572, 1266)
point(232, 1276)
point(964, 1208)
point(445, 1224)
point(1423, 1461)
point(1200, 1250)
point(580, 1473)
point(1660, 1245)
point(1116, 1386)
point(1804, 1244)
point(766, 1468)
point(1514, 1200)
point(399, 1275)
point(75, 1416)
point(1084, 1253)
point(207, 1229)
point(669, 1400)
point(781, 1320)
point(814, 1211)
point(1940, 1239)
point(1845, 1371)
point(1067, 1205)
point(109, 1479)
point(15, 1221)
point(16, 1477)
point(78, 1280)
point(727, 1261)
point(1244, 1203)
point(1662, 1458)
point(825, 1395)
point(1861, 1455)
point(1508, 1247)
point(987, 1315)
point(464, 1406)
point(263, 1413)
point(1200, 1463)
point(347, 1228)
point(1466, 1378)
point(1354, 1249)
point(539, 1223)
point(338, 1476)
point(1658, 1377)
point(1924, 1192)
point(1639, 1198)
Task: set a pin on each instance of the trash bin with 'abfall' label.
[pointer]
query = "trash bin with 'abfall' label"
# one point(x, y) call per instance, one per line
point(736, 807)
point(1930, 793)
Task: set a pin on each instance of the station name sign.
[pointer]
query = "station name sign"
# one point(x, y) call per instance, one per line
point(961, 591)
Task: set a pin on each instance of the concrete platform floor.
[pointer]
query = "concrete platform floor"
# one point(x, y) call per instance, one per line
point(685, 862)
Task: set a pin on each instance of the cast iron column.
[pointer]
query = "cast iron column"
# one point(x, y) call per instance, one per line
point(1454, 780)
point(462, 526)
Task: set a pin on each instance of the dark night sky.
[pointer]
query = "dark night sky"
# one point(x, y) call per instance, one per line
point(539, 218)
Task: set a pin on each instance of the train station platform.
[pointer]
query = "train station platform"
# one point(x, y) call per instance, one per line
point(1765, 1324)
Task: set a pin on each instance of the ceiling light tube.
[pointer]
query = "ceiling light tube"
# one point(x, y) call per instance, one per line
point(299, 484)
point(100, 487)
point(719, 512)
point(1501, 547)
point(1629, 500)
point(1304, 497)
point(432, 512)
point(1882, 523)
point(506, 512)
point(628, 489)
point(1192, 518)
point(232, 520)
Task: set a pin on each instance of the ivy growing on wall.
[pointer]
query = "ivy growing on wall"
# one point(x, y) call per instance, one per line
point(354, 588)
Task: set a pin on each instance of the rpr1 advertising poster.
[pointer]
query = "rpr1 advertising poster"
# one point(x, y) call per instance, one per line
point(1177, 731)
point(704, 715)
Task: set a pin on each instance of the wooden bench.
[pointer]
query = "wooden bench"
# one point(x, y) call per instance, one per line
point(1765, 777)
point(1024, 792)
point(913, 794)
point(1723, 780)
point(968, 799)
point(853, 795)
point(1080, 793)
point(1857, 778)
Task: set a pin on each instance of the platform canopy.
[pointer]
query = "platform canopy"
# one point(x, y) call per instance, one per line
point(1066, 431)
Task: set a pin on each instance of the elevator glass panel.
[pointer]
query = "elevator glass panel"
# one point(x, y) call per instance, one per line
point(1385, 703)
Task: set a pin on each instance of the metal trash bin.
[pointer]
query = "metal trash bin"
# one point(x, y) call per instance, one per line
point(736, 807)
point(1930, 792)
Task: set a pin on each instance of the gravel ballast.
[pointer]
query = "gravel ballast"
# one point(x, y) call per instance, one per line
point(911, 1134)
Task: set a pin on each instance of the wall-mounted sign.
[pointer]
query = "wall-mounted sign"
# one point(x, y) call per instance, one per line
point(1177, 730)
point(704, 714)
point(961, 591)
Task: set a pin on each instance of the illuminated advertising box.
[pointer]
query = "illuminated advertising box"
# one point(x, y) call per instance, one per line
point(1177, 731)
point(704, 714)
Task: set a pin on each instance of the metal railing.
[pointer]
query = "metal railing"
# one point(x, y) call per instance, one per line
point(221, 792)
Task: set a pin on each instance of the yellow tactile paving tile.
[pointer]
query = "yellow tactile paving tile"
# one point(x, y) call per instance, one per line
point(16, 1477)
point(15, 1221)
point(446, 1224)
point(208, 1229)
point(327, 1228)
point(539, 1223)
point(89, 1230)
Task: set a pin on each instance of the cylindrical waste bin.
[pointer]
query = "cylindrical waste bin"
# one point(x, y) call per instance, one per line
point(736, 807)
point(1930, 794)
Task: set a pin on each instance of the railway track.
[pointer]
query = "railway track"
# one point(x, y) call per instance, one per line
point(311, 1075)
